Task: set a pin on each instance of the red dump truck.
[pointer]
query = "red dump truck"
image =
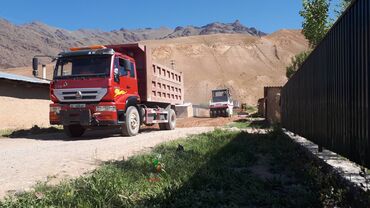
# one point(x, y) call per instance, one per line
point(112, 85)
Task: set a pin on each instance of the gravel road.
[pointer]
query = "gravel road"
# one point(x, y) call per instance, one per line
point(51, 157)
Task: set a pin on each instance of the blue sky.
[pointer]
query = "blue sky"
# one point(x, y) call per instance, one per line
point(265, 15)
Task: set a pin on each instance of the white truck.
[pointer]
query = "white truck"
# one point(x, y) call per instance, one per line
point(221, 103)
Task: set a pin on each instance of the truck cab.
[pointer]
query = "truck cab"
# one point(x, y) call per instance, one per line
point(221, 103)
point(102, 86)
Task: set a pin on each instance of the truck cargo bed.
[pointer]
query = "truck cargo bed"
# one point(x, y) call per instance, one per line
point(157, 83)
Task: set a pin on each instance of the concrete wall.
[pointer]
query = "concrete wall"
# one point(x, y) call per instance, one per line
point(200, 111)
point(272, 104)
point(23, 105)
point(23, 90)
point(184, 111)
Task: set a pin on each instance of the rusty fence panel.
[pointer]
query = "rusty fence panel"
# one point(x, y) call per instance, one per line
point(327, 100)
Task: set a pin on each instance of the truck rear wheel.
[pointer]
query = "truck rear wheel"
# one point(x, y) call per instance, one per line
point(211, 114)
point(131, 126)
point(171, 124)
point(75, 130)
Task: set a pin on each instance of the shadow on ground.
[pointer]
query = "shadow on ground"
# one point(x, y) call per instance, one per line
point(53, 133)
point(245, 172)
point(252, 170)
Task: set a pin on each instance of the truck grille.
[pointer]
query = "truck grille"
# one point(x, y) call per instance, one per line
point(80, 94)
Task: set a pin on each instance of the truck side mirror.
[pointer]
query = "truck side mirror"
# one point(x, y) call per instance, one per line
point(116, 75)
point(35, 65)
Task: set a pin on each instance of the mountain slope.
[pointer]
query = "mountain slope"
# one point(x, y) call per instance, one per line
point(243, 63)
point(19, 43)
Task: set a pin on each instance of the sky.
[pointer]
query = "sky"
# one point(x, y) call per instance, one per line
point(265, 15)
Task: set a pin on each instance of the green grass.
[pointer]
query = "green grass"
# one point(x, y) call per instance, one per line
point(251, 109)
point(240, 125)
point(218, 169)
point(248, 123)
point(32, 131)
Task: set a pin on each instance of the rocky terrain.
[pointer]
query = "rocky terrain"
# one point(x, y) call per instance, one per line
point(243, 63)
point(213, 56)
point(19, 43)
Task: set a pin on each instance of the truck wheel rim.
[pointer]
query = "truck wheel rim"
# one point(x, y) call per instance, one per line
point(133, 121)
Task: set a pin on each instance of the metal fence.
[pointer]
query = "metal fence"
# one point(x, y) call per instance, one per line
point(327, 100)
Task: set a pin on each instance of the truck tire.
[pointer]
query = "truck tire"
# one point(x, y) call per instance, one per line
point(75, 130)
point(171, 124)
point(228, 114)
point(131, 126)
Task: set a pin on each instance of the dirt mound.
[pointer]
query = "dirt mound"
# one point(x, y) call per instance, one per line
point(243, 63)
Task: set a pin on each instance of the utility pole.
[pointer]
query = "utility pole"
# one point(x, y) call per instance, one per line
point(172, 62)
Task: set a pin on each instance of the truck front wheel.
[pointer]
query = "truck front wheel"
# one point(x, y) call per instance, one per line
point(171, 124)
point(131, 126)
point(74, 130)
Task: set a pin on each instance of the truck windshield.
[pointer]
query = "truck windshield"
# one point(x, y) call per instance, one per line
point(82, 66)
point(219, 96)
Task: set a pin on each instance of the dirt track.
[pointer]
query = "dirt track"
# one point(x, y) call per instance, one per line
point(51, 157)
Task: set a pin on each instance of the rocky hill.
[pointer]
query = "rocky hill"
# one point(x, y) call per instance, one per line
point(243, 63)
point(19, 43)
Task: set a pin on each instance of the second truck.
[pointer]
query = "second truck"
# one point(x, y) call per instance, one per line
point(112, 85)
point(221, 103)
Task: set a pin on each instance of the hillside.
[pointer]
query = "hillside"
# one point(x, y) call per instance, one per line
point(243, 63)
point(19, 43)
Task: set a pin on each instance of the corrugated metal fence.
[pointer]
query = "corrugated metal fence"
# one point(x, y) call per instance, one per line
point(327, 100)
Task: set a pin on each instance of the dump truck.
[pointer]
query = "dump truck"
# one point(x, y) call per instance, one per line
point(221, 103)
point(112, 85)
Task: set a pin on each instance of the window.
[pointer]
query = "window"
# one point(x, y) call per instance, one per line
point(82, 66)
point(132, 70)
point(119, 64)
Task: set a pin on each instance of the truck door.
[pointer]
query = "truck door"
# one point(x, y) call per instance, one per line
point(128, 83)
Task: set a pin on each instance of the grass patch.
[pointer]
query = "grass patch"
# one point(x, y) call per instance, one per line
point(218, 169)
point(249, 123)
point(241, 124)
point(251, 109)
point(35, 130)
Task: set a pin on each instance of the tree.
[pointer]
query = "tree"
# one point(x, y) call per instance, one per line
point(343, 5)
point(316, 20)
point(315, 25)
point(297, 62)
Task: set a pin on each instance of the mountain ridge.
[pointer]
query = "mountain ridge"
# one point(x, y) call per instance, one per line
point(19, 43)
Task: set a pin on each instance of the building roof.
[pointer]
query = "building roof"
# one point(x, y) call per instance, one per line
point(20, 78)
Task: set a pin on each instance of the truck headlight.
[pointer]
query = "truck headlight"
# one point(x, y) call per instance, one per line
point(108, 108)
point(55, 109)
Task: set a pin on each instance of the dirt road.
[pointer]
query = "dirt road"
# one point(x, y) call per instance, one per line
point(51, 157)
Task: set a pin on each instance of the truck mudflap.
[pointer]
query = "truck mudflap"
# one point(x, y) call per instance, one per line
point(76, 116)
